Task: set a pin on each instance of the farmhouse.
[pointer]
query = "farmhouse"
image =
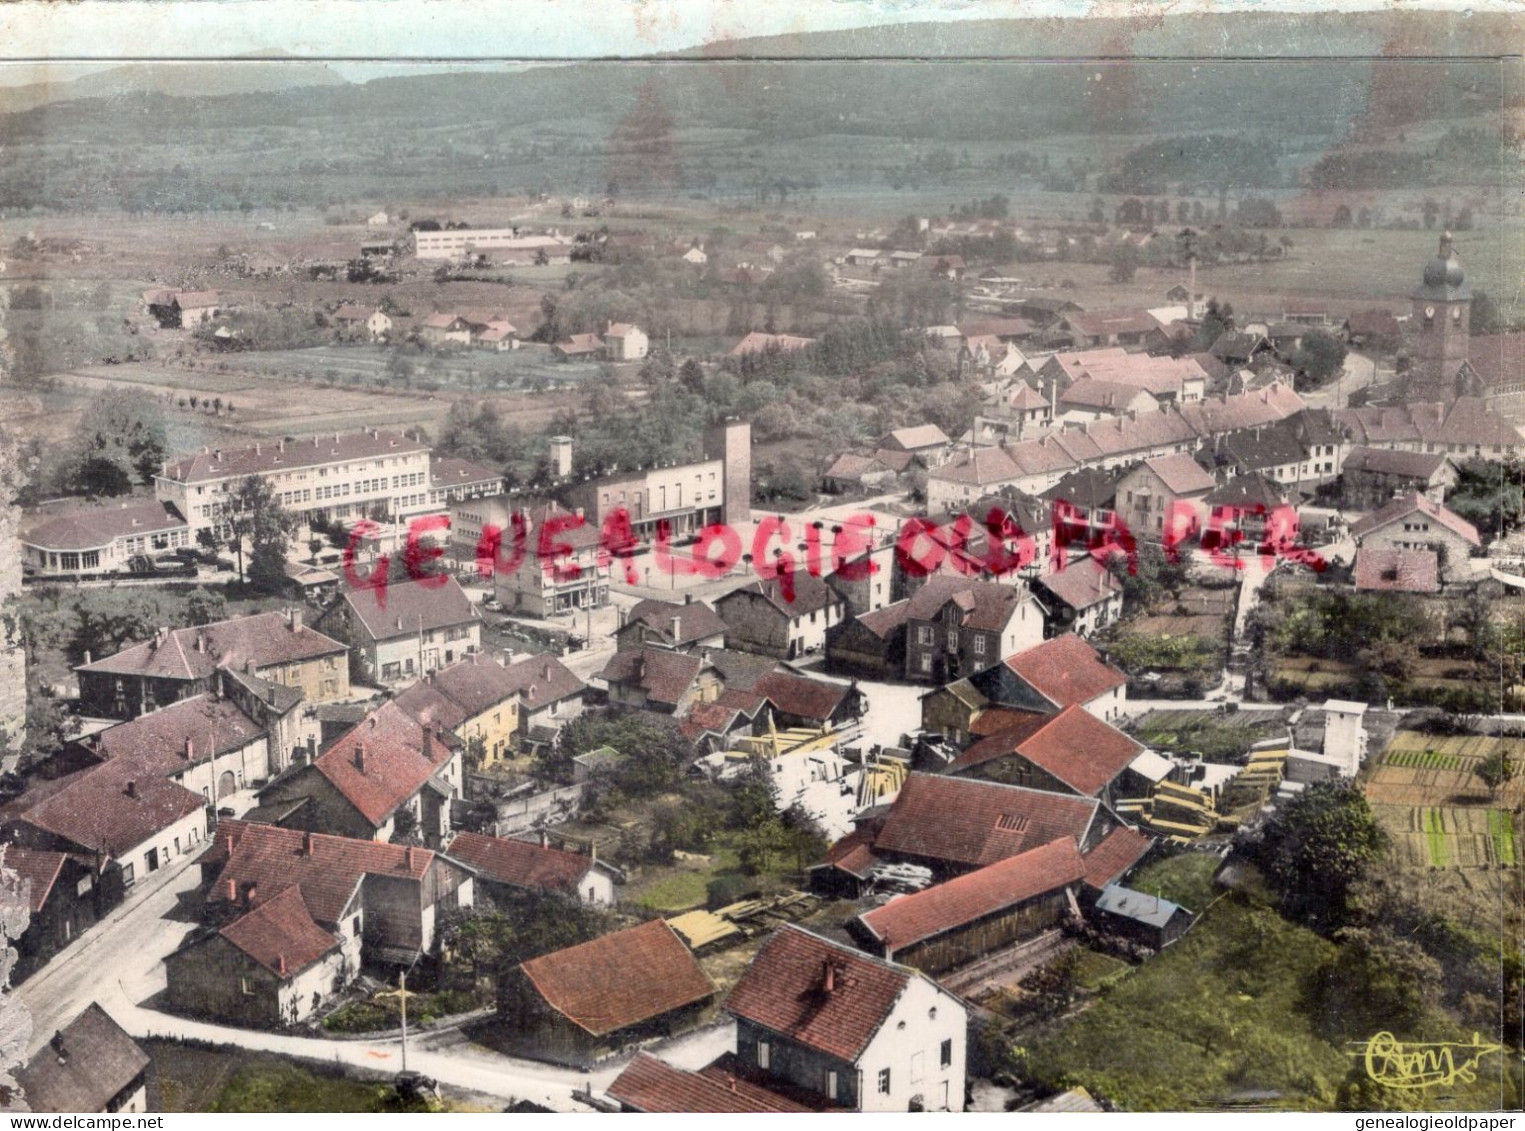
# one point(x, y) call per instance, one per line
point(1413, 522)
point(865, 1034)
point(1071, 752)
point(502, 866)
point(587, 1002)
point(952, 923)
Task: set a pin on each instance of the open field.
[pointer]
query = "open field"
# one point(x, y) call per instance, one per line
point(1437, 771)
point(1450, 837)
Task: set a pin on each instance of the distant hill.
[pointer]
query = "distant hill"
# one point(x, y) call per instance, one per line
point(268, 71)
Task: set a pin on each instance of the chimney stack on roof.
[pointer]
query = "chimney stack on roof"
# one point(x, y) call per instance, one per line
point(280, 965)
point(190, 748)
point(360, 753)
point(307, 844)
point(57, 1045)
point(132, 788)
point(232, 892)
point(545, 839)
point(831, 978)
point(408, 856)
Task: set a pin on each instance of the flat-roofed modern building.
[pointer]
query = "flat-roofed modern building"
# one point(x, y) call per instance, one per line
point(336, 476)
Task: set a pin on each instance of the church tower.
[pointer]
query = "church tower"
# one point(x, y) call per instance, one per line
point(1441, 321)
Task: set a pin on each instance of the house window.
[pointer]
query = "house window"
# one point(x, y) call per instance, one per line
point(764, 1055)
point(924, 634)
point(926, 663)
point(831, 1085)
point(884, 1081)
point(946, 1057)
point(246, 986)
point(84, 885)
point(953, 640)
point(978, 644)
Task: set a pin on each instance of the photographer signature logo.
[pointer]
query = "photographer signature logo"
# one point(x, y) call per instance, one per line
point(1397, 1064)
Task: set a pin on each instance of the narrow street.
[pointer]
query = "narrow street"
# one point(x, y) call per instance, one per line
point(119, 963)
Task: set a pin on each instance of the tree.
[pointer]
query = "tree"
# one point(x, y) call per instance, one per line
point(1496, 771)
point(203, 607)
point(691, 376)
point(1320, 845)
point(1124, 263)
point(208, 540)
point(121, 429)
point(1485, 317)
point(256, 514)
point(1319, 357)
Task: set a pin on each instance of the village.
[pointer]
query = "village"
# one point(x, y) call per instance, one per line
point(575, 652)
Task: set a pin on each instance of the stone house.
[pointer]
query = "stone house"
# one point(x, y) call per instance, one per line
point(178, 663)
point(407, 629)
point(761, 617)
point(1413, 522)
point(820, 1018)
point(270, 967)
point(389, 776)
point(587, 1002)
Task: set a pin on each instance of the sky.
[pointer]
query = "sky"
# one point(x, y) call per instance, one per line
point(100, 30)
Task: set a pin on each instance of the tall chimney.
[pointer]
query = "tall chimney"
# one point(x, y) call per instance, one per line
point(831, 977)
point(408, 856)
point(677, 625)
point(545, 839)
point(232, 891)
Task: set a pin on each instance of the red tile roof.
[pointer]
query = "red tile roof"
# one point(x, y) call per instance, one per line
point(519, 863)
point(800, 695)
point(543, 680)
point(964, 899)
point(785, 990)
point(267, 456)
point(1120, 850)
point(1181, 474)
point(1074, 746)
point(1497, 358)
point(1397, 571)
point(650, 1085)
point(97, 527)
point(1066, 671)
point(382, 761)
point(37, 868)
point(410, 607)
point(811, 594)
point(883, 622)
point(620, 979)
point(173, 738)
point(854, 853)
point(95, 810)
point(263, 639)
point(696, 620)
point(966, 822)
point(328, 869)
point(470, 686)
point(1410, 504)
point(912, 439)
point(1082, 583)
point(280, 934)
point(758, 342)
point(986, 605)
point(664, 676)
point(1388, 461)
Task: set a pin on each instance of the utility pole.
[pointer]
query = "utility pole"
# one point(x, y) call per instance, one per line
point(402, 994)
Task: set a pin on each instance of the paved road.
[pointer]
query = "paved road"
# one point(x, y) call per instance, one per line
point(1360, 371)
point(119, 964)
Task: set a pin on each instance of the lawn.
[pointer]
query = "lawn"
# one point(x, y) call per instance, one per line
point(199, 1078)
point(1218, 736)
point(1094, 970)
point(1225, 1016)
point(1220, 1012)
point(686, 884)
point(1186, 879)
